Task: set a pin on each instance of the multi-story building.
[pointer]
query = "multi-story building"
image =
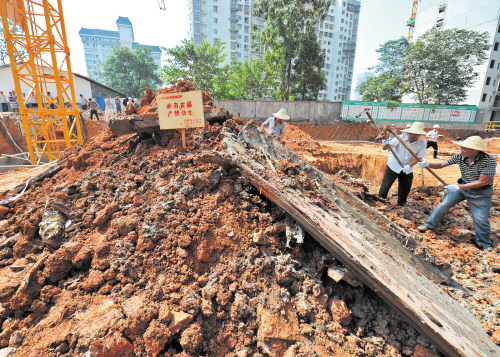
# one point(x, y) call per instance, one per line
point(474, 15)
point(232, 21)
point(98, 44)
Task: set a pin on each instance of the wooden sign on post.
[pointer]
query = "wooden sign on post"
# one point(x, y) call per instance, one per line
point(180, 111)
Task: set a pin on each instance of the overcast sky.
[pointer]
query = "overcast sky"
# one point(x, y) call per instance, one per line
point(380, 21)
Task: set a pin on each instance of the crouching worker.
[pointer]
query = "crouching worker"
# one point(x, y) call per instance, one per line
point(476, 186)
point(276, 123)
point(404, 174)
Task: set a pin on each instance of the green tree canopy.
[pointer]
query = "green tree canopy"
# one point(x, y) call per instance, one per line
point(198, 64)
point(287, 20)
point(382, 88)
point(130, 71)
point(439, 66)
point(308, 74)
point(436, 69)
point(251, 81)
point(4, 55)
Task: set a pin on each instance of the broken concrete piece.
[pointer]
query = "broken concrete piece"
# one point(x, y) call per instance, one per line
point(294, 232)
point(52, 228)
point(7, 352)
point(277, 330)
point(180, 320)
point(340, 312)
point(337, 272)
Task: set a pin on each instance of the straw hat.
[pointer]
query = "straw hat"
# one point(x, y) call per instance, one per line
point(473, 142)
point(436, 126)
point(281, 114)
point(416, 128)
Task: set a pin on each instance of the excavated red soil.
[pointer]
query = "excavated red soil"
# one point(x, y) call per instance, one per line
point(164, 254)
point(167, 255)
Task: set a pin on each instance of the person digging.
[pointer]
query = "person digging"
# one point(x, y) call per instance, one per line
point(276, 123)
point(404, 174)
point(476, 186)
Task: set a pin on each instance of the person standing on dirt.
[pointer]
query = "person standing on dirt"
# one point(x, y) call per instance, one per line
point(276, 123)
point(432, 140)
point(404, 174)
point(3, 102)
point(83, 102)
point(93, 109)
point(136, 104)
point(118, 104)
point(476, 186)
point(13, 103)
point(108, 109)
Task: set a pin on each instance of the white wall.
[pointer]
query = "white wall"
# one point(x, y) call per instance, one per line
point(82, 86)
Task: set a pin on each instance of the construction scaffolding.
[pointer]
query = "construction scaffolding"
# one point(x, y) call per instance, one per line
point(411, 21)
point(43, 37)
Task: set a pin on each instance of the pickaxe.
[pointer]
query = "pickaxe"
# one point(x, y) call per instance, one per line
point(367, 111)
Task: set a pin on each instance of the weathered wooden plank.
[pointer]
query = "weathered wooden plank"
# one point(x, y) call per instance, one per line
point(352, 235)
point(149, 123)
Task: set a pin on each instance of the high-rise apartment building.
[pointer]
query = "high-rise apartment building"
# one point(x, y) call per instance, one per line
point(470, 15)
point(232, 21)
point(98, 44)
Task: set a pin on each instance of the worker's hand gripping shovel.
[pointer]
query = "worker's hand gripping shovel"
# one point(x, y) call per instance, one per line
point(367, 111)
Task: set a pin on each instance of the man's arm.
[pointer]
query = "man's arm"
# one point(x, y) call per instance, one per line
point(483, 180)
point(438, 165)
point(266, 123)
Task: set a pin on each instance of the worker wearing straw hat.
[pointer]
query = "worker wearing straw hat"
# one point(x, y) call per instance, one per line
point(404, 174)
point(276, 123)
point(476, 186)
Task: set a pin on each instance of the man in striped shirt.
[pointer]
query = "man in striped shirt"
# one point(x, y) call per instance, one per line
point(476, 186)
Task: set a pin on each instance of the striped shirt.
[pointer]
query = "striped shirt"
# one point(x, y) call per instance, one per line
point(484, 164)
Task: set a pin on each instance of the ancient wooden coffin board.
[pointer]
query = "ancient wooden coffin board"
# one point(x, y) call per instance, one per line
point(358, 237)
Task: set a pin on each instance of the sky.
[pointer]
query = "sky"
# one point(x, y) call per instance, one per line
point(380, 21)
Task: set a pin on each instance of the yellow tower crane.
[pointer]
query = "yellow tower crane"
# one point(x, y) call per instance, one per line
point(411, 21)
point(48, 130)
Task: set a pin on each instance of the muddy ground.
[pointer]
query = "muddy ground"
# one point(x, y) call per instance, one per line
point(139, 248)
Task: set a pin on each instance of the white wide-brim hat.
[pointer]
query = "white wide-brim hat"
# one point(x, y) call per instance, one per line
point(416, 128)
point(473, 142)
point(436, 126)
point(281, 114)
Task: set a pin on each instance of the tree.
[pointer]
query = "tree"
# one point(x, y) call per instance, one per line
point(437, 69)
point(439, 66)
point(308, 74)
point(198, 64)
point(382, 88)
point(287, 21)
point(4, 55)
point(251, 81)
point(130, 71)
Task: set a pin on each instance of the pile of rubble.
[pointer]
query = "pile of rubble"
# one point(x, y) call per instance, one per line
point(138, 247)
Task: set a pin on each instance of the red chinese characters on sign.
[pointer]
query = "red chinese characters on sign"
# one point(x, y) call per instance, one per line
point(180, 105)
point(192, 122)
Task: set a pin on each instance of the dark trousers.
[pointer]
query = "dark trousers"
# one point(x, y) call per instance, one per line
point(404, 181)
point(434, 146)
point(92, 113)
point(5, 107)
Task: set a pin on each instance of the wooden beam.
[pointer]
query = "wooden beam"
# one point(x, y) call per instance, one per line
point(363, 241)
point(149, 123)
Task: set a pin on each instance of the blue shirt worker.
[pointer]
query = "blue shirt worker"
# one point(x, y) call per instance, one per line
point(476, 186)
point(276, 123)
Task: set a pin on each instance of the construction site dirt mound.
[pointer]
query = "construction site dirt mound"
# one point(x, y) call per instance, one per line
point(137, 247)
point(148, 103)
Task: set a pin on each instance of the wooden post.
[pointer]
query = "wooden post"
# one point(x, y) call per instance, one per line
point(423, 181)
point(183, 138)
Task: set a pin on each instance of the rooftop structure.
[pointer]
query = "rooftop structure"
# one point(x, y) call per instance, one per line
point(98, 44)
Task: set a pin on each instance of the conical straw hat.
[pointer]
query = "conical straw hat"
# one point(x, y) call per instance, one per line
point(473, 142)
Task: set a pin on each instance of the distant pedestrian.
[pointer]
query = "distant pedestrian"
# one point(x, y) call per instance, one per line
point(3, 102)
point(69, 108)
point(13, 103)
point(93, 108)
point(136, 103)
point(51, 101)
point(432, 140)
point(108, 109)
point(84, 102)
point(33, 101)
point(118, 104)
